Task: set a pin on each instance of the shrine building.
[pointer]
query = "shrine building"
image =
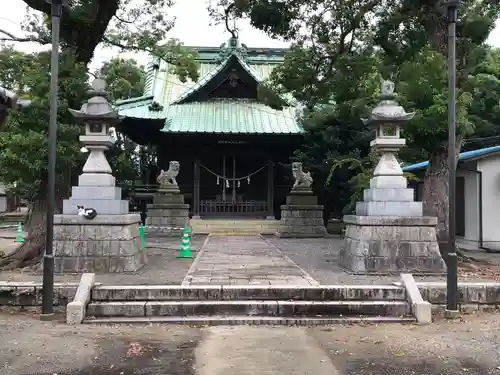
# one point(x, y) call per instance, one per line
point(231, 146)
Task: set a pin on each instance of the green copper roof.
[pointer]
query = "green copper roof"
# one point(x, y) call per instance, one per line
point(229, 116)
point(166, 98)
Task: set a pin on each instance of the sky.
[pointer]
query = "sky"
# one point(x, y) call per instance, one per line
point(192, 27)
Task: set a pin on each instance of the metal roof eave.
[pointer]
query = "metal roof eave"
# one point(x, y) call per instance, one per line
point(463, 157)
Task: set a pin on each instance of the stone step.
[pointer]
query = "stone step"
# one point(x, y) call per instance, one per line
point(248, 320)
point(248, 292)
point(251, 308)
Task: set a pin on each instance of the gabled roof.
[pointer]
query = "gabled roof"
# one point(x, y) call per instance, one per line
point(234, 56)
point(464, 156)
point(181, 107)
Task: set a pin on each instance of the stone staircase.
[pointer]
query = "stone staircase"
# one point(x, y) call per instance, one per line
point(234, 226)
point(236, 304)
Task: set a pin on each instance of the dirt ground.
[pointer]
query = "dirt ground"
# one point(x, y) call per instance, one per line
point(466, 347)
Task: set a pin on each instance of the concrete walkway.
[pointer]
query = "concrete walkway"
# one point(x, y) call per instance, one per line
point(244, 260)
point(247, 351)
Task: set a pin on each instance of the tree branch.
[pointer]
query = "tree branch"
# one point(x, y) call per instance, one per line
point(135, 49)
point(12, 38)
point(40, 5)
point(122, 20)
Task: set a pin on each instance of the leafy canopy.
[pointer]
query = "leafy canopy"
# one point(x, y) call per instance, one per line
point(130, 25)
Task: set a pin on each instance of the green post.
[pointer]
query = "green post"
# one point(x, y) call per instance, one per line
point(185, 250)
point(19, 234)
point(141, 234)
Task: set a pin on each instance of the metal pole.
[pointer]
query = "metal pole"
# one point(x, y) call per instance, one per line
point(48, 258)
point(451, 279)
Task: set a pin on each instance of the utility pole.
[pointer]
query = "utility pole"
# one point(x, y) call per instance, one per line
point(48, 257)
point(451, 277)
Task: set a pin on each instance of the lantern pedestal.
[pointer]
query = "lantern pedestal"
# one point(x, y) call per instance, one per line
point(106, 244)
point(391, 245)
point(301, 216)
point(389, 234)
point(110, 241)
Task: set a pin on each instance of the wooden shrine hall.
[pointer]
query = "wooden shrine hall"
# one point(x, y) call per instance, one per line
point(230, 145)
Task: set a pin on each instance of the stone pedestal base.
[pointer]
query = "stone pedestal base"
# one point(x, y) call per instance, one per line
point(168, 215)
point(3, 203)
point(108, 243)
point(301, 217)
point(391, 245)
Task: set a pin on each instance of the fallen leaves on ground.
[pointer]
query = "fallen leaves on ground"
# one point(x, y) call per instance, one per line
point(476, 271)
point(135, 349)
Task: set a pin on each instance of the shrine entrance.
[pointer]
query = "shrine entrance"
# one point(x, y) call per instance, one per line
point(234, 186)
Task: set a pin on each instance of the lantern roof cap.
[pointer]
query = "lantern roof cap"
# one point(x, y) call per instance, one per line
point(388, 110)
point(97, 107)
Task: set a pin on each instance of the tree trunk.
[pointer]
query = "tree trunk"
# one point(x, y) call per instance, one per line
point(31, 251)
point(33, 248)
point(435, 195)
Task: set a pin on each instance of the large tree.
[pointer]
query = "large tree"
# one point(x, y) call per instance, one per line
point(131, 25)
point(23, 140)
point(410, 38)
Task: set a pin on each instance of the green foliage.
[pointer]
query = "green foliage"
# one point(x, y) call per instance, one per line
point(422, 85)
point(339, 52)
point(129, 25)
point(124, 78)
point(363, 169)
point(124, 160)
point(23, 141)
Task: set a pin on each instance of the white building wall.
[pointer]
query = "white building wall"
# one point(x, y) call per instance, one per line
point(490, 168)
point(3, 198)
point(471, 203)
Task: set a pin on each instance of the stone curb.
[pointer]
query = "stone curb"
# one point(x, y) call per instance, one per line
point(231, 320)
point(420, 309)
point(189, 275)
point(248, 308)
point(75, 310)
point(117, 293)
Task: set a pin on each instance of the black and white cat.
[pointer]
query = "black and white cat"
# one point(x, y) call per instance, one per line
point(87, 213)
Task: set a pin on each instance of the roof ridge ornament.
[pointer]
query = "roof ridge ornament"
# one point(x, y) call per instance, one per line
point(233, 45)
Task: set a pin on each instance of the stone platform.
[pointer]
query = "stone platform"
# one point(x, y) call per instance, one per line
point(391, 245)
point(301, 217)
point(169, 212)
point(108, 243)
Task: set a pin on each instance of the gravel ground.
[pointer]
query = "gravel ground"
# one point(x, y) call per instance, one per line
point(31, 347)
point(163, 267)
point(469, 346)
point(466, 347)
point(320, 258)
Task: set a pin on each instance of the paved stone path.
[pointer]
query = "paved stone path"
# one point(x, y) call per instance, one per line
point(244, 260)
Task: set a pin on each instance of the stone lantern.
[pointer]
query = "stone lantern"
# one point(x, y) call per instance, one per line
point(108, 242)
point(389, 233)
point(387, 118)
point(98, 117)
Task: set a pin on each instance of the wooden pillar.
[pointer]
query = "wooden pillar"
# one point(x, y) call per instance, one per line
point(224, 182)
point(233, 195)
point(196, 190)
point(270, 191)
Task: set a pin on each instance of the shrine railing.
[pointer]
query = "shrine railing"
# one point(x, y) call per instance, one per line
point(244, 208)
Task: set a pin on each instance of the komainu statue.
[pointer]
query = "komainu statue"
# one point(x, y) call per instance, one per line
point(167, 179)
point(303, 180)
